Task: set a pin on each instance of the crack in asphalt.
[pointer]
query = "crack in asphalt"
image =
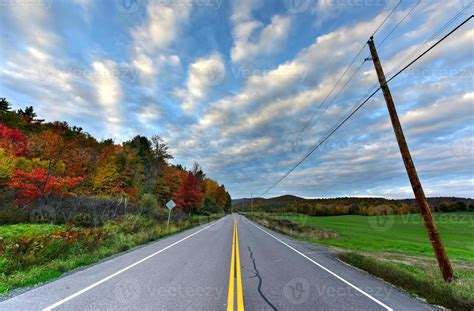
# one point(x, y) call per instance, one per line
point(260, 281)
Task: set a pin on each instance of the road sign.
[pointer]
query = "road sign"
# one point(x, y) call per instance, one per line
point(170, 205)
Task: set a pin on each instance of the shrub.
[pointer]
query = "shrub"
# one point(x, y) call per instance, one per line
point(25, 251)
point(148, 204)
point(12, 214)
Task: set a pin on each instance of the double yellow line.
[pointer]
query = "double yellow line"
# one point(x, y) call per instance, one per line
point(235, 277)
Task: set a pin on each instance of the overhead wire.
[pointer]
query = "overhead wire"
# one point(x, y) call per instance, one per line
point(360, 105)
point(307, 124)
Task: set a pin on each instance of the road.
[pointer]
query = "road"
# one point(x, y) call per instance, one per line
point(202, 269)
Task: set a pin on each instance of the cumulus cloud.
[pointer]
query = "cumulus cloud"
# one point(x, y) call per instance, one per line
point(152, 38)
point(203, 74)
point(252, 38)
point(109, 94)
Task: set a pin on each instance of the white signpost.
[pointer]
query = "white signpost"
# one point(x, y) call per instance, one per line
point(170, 205)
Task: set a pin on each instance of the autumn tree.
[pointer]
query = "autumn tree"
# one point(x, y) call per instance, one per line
point(189, 194)
point(167, 184)
point(113, 174)
point(38, 186)
point(221, 196)
point(142, 147)
point(12, 141)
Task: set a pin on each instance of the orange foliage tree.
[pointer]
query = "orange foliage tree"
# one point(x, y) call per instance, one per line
point(38, 185)
point(12, 141)
point(189, 194)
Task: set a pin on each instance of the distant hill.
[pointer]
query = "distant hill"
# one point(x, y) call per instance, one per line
point(287, 200)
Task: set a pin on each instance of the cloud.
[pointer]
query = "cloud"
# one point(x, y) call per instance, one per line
point(149, 113)
point(252, 38)
point(203, 74)
point(153, 38)
point(109, 94)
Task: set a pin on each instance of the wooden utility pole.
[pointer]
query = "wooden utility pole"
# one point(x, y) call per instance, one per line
point(251, 202)
point(430, 225)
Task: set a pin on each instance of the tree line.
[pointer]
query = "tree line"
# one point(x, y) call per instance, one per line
point(351, 206)
point(63, 167)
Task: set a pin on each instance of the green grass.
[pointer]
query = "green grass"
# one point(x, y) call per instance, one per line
point(13, 231)
point(404, 234)
point(424, 283)
point(397, 249)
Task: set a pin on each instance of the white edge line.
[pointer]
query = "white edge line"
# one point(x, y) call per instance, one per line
point(326, 269)
point(51, 307)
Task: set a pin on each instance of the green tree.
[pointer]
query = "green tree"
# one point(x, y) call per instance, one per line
point(4, 105)
point(209, 206)
point(160, 149)
point(28, 114)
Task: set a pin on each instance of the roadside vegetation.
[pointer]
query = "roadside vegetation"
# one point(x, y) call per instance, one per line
point(68, 200)
point(393, 247)
point(35, 253)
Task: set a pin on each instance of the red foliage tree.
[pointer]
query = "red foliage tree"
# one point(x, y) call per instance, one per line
point(32, 187)
point(189, 194)
point(12, 141)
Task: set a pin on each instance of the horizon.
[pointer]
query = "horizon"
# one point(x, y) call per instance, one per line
point(352, 197)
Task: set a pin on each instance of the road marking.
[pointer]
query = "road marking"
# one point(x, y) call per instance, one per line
point(235, 275)
point(51, 307)
point(230, 293)
point(327, 270)
point(240, 296)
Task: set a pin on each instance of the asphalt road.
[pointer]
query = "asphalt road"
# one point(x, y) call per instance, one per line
point(192, 271)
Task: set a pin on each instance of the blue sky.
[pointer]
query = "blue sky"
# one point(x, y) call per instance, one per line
point(230, 84)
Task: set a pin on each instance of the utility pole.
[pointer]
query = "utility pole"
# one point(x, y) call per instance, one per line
point(430, 225)
point(251, 202)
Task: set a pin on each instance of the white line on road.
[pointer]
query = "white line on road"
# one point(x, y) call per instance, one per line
point(51, 307)
point(326, 269)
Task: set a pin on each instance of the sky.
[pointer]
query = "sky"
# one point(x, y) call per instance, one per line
point(232, 84)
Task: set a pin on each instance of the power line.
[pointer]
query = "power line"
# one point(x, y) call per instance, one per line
point(336, 96)
point(399, 23)
point(329, 94)
point(387, 17)
point(304, 129)
point(436, 34)
point(432, 47)
point(359, 106)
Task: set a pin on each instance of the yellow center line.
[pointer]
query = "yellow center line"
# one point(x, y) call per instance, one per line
point(235, 274)
point(230, 294)
point(240, 296)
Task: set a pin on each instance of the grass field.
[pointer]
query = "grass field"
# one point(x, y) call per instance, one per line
point(397, 233)
point(397, 249)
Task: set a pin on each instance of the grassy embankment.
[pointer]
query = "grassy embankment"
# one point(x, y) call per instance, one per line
point(395, 248)
point(34, 253)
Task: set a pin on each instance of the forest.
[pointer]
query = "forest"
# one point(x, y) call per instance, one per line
point(57, 173)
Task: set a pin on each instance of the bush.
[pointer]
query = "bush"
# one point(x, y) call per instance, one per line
point(148, 204)
point(12, 214)
point(88, 211)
